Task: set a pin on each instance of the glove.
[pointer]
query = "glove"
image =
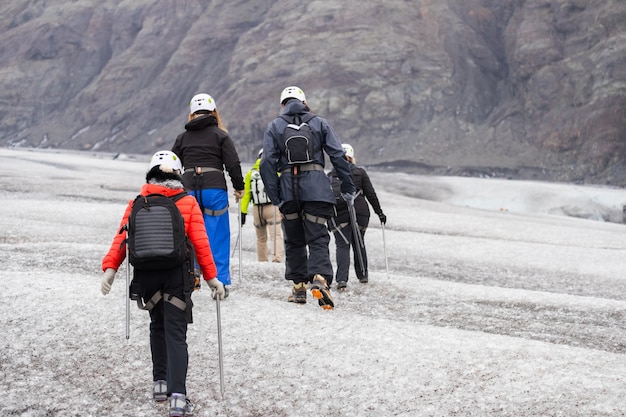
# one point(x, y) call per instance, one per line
point(349, 197)
point(217, 288)
point(382, 217)
point(243, 218)
point(107, 280)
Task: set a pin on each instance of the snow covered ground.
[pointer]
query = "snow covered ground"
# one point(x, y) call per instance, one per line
point(503, 298)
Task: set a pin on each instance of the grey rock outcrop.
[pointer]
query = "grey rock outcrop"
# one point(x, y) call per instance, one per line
point(516, 88)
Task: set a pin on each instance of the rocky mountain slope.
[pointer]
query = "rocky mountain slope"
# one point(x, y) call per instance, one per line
point(514, 88)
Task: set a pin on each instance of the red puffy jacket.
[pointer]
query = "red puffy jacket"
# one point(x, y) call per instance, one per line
point(194, 227)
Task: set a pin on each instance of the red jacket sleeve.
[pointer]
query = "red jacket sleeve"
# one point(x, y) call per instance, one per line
point(117, 252)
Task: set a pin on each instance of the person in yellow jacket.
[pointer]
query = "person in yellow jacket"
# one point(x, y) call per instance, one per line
point(267, 218)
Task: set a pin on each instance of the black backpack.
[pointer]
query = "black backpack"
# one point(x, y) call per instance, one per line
point(156, 233)
point(299, 139)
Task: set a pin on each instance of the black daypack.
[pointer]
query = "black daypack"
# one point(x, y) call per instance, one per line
point(257, 188)
point(156, 233)
point(299, 139)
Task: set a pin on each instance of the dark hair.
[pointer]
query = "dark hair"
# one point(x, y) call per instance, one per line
point(156, 174)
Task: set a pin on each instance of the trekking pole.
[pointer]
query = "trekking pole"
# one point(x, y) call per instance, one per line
point(240, 227)
point(127, 290)
point(274, 253)
point(236, 243)
point(219, 344)
point(382, 225)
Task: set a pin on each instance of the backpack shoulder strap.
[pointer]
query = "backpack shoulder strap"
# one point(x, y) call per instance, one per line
point(307, 117)
point(178, 196)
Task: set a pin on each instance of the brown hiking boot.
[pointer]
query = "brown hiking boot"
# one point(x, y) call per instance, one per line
point(298, 293)
point(320, 291)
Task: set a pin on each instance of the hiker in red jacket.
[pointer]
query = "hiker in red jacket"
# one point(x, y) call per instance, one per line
point(168, 319)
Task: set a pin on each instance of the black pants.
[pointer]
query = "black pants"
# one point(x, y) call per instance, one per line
point(168, 328)
point(342, 252)
point(307, 240)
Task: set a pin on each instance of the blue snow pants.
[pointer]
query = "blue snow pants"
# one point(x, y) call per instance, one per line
point(217, 228)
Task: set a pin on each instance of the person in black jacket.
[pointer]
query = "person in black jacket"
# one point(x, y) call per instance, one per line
point(205, 149)
point(303, 194)
point(342, 227)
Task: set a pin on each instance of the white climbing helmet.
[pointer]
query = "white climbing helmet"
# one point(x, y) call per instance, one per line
point(349, 150)
point(292, 92)
point(260, 152)
point(166, 158)
point(201, 102)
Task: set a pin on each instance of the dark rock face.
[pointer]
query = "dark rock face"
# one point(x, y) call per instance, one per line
point(516, 88)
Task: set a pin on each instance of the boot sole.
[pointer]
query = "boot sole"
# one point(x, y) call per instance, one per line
point(323, 300)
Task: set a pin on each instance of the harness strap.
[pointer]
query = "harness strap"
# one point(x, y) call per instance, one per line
point(175, 301)
point(307, 216)
point(258, 226)
point(315, 219)
point(291, 216)
point(340, 226)
point(200, 170)
point(215, 213)
point(304, 167)
point(154, 300)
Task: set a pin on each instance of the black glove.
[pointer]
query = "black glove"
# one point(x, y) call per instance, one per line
point(243, 218)
point(382, 217)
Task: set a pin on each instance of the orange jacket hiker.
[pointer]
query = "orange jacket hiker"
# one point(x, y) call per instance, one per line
point(194, 228)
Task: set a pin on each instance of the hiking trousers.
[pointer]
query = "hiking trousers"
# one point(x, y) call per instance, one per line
point(267, 220)
point(168, 328)
point(342, 250)
point(306, 240)
point(214, 203)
